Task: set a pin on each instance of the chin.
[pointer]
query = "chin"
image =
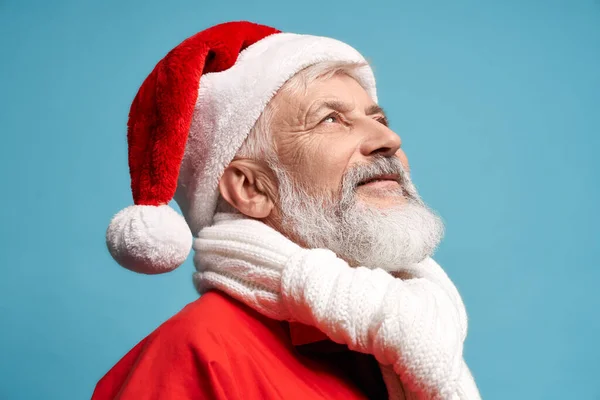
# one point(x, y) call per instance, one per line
point(382, 200)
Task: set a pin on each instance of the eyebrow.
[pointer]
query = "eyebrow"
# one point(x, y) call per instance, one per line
point(336, 105)
point(376, 109)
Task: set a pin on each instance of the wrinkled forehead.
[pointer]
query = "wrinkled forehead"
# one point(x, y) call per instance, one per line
point(337, 89)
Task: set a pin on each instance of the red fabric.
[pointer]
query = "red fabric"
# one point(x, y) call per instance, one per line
point(161, 113)
point(218, 348)
point(301, 334)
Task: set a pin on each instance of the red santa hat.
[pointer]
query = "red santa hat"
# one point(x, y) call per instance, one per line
point(188, 120)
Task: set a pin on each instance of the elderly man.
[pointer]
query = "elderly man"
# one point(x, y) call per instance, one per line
point(312, 244)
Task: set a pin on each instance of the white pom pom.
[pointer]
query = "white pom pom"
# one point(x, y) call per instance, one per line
point(149, 239)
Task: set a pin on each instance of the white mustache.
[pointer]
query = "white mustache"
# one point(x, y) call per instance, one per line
point(380, 166)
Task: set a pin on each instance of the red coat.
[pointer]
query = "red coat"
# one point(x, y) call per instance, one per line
point(217, 348)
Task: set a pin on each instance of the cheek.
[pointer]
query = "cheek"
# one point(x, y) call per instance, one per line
point(325, 162)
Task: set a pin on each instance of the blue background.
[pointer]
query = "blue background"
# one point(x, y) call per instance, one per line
point(498, 105)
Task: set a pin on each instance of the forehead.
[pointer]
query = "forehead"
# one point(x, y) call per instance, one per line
point(339, 87)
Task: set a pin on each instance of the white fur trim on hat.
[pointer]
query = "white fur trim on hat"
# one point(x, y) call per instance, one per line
point(149, 239)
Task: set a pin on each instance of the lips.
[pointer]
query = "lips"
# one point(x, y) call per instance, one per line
point(380, 179)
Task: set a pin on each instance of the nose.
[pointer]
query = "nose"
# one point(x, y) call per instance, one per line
point(380, 140)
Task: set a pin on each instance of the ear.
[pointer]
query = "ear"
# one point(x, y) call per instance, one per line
point(249, 187)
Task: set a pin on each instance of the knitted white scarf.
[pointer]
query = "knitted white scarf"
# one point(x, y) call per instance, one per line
point(414, 326)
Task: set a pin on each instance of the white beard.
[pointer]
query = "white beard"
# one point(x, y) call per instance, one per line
point(364, 235)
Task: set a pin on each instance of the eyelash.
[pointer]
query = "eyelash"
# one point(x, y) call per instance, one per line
point(382, 120)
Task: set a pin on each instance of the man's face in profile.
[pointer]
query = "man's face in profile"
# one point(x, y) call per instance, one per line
point(343, 178)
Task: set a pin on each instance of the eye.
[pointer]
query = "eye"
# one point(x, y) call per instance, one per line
point(331, 118)
point(382, 120)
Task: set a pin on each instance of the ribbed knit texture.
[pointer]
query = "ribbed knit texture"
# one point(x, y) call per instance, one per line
point(415, 326)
